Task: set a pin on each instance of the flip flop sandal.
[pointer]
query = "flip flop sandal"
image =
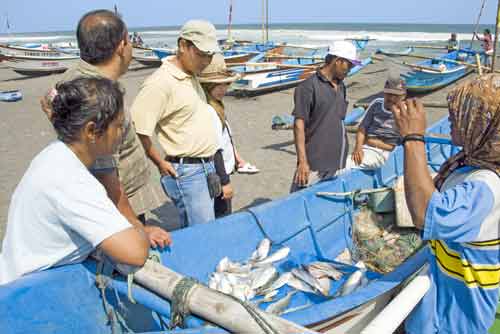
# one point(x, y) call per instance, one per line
point(248, 169)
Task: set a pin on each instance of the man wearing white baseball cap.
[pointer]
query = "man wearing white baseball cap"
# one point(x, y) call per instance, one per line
point(172, 105)
point(320, 108)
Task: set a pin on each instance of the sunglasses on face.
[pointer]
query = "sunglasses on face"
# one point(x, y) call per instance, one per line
point(200, 53)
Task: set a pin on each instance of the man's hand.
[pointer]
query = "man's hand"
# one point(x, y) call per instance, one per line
point(166, 168)
point(157, 236)
point(302, 174)
point(46, 107)
point(410, 117)
point(227, 191)
point(357, 155)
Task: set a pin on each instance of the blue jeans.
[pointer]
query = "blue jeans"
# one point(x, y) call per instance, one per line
point(189, 192)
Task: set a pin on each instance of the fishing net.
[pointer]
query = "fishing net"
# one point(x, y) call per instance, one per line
point(379, 243)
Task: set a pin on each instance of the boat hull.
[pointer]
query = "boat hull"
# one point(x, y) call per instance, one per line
point(66, 299)
point(38, 67)
point(425, 80)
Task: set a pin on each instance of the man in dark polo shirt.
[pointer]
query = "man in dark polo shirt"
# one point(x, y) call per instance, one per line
point(320, 108)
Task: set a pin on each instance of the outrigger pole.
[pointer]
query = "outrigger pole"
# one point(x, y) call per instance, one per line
point(495, 46)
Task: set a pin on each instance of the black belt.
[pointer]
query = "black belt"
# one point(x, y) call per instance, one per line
point(189, 160)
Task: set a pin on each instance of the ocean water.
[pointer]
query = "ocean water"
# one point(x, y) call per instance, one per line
point(309, 34)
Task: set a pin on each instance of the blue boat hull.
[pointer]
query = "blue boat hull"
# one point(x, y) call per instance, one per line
point(422, 81)
point(66, 300)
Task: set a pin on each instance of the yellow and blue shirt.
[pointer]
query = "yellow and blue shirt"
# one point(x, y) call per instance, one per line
point(462, 224)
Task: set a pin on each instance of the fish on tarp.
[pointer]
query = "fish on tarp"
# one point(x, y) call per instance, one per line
point(262, 276)
point(355, 280)
point(324, 269)
point(262, 251)
point(298, 284)
point(307, 278)
point(281, 281)
point(279, 306)
point(279, 255)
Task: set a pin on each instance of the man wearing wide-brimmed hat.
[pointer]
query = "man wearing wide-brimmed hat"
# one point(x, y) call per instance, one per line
point(320, 107)
point(215, 80)
point(172, 104)
point(378, 134)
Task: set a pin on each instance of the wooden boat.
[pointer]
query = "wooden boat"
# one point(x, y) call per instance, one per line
point(11, 95)
point(235, 56)
point(35, 61)
point(360, 42)
point(148, 56)
point(278, 76)
point(395, 53)
point(432, 74)
point(33, 66)
point(66, 299)
point(36, 51)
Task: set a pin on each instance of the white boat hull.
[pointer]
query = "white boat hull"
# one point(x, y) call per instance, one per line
point(34, 67)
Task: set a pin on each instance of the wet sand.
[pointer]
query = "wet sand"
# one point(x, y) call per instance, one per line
point(26, 131)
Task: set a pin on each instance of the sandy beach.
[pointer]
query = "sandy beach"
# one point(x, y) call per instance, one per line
point(26, 131)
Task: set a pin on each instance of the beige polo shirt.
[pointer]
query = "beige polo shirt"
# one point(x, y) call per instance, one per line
point(173, 105)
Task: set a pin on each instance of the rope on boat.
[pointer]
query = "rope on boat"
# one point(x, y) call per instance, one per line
point(179, 302)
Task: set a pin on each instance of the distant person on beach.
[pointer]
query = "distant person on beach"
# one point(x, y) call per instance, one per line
point(106, 51)
point(320, 108)
point(487, 44)
point(59, 212)
point(377, 134)
point(459, 211)
point(137, 39)
point(173, 105)
point(215, 80)
point(453, 43)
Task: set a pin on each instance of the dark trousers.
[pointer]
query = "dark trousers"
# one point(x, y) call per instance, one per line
point(222, 207)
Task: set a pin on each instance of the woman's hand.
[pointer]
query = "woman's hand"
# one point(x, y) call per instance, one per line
point(410, 117)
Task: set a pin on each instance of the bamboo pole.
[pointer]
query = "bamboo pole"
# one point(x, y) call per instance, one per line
point(263, 21)
point(267, 21)
point(277, 55)
point(428, 47)
point(426, 105)
point(312, 67)
point(478, 63)
point(477, 23)
point(209, 304)
point(495, 46)
point(423, 68)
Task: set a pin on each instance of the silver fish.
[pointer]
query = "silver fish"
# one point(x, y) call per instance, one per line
point(304, 275)
point(241, 292)
point(224, 286)
point(322, 269)
point(214, 280)
point(262, 250)
point(354, 281)
point(282, 280)
point(222, 265)
point(298, 284)
point(275, 257)
point(279, 306)
point(261, 276)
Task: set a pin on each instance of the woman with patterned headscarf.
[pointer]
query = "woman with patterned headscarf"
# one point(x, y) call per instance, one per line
point(459, 213)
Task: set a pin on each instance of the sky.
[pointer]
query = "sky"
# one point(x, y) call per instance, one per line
point(63, 15)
